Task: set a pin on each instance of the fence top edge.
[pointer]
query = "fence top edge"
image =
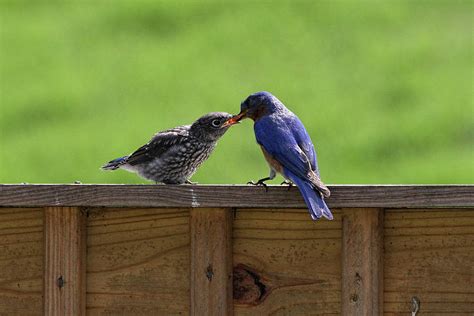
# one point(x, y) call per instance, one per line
point(239, 196)
point(395, 185)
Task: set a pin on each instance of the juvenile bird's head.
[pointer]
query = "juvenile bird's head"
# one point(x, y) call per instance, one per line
point(212, 126)
point(257, 105)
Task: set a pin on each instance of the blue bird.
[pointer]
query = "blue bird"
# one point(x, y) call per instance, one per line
point(287, 148)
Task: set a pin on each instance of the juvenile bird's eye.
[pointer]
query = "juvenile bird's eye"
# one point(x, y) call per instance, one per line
point(216, 123)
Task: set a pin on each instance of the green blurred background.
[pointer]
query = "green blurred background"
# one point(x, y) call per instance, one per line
point(383, 87)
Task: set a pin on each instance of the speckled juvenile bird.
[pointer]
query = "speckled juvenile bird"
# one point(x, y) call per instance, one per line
point(173, 156)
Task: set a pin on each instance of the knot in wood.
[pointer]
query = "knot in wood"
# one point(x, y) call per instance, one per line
point(354, 298)
point(248, 287)
point(60, 281)
point(358, 279)
point(209, 272)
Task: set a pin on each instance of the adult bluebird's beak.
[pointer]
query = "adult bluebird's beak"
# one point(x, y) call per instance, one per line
point(235, 119)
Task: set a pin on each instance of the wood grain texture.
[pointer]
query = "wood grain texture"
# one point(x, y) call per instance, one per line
point(211, 262)
point(429, 254)
point(362, 262)
point(21, 261)
point(64, 261)
point(285, 263)
point(209, 196)
point(138, 262)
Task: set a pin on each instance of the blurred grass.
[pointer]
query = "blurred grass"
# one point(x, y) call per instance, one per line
point(383, 87)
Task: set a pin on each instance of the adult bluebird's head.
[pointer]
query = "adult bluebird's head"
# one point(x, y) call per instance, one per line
point(257, 105)
point(212, 125)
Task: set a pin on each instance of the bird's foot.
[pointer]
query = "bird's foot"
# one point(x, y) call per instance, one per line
point(190, 182)
point(260, 182)
point(288, 183)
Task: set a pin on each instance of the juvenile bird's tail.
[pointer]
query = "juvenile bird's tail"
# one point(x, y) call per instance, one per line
point(115, 164)
point(312, 198)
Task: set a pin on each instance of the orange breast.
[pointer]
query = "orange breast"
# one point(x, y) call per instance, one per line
point(272, 161)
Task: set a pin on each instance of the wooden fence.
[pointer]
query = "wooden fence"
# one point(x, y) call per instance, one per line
point(216, 250)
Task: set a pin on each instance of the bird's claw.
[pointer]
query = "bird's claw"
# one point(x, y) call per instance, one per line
point(288, 183)
point(259, 182)
point(190, 182)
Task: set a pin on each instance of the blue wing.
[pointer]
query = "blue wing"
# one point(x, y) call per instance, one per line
point(286, 140)
point(304, 141)
point(278, 140)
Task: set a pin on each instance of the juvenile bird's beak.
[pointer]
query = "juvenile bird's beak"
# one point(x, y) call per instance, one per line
point(235, 119)
point(230, 122)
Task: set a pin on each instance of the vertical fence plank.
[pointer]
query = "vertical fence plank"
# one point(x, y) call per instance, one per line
point(211, 262)
point(65, 261)
point(362, 261)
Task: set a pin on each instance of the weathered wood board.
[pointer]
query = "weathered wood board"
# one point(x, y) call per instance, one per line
point(429, 254)
point(65, 258)
point(286, 263)
point(240, 196)
point(138, 262)
point(362, 261)
point(21, 261)
point(175, 261)
point(211, 262)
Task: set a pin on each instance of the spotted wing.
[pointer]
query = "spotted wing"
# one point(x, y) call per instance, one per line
point(159, 144)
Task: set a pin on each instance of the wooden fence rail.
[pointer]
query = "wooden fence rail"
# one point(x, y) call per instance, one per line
point(223, 250)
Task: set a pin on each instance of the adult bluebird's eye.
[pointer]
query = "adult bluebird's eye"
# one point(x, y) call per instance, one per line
point(216, 123)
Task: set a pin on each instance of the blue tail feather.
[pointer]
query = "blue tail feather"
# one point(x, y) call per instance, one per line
point(312, 198)
point(115, 164)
